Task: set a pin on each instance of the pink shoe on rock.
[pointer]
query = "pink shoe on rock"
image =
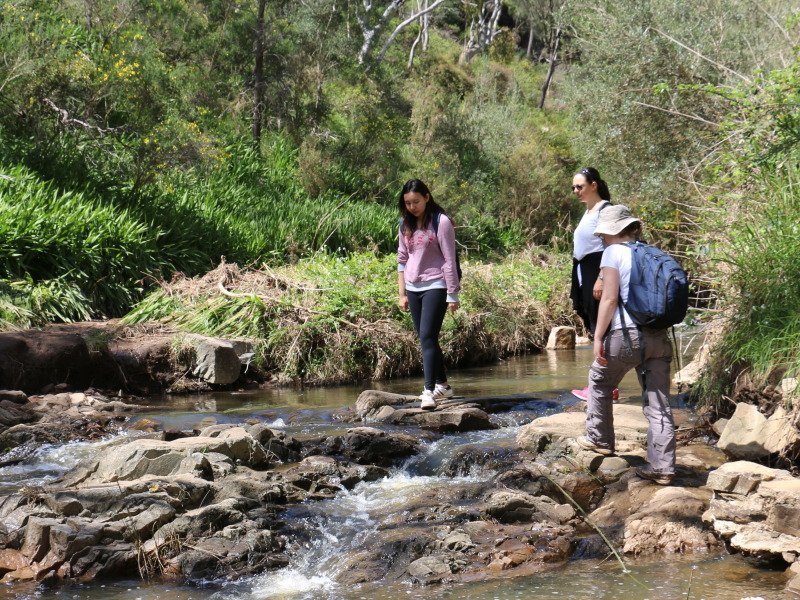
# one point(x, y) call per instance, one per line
point(582, 394)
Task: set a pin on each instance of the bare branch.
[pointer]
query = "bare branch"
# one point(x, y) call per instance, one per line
point(65, 119)
point(13, 71)
point(677, 113)
point(776, 23)
point(403, 25)
point(705, 58)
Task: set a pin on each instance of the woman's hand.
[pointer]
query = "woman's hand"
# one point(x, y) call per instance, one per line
point(403, 302)
point(600, 352)
point(454, 306)
point(597, 290)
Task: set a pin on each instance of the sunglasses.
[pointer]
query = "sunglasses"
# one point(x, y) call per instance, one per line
point(578, 187)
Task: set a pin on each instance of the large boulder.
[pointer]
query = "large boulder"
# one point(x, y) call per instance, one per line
point(750, 435)
point(670, 522)
point(756, 509)
point(215, 360)
point(561, 338)
point(365, 445)
point(629, 424)
point(369, 402)
point(155, 457)
point(450, 416)
point(514, 506)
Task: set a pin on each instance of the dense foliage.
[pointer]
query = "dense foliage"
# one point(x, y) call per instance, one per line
point(751, 224)
point(128, 124)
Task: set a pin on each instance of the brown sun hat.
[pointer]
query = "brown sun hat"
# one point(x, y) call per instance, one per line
point(614, 219)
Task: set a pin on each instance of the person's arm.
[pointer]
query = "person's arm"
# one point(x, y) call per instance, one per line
point(446, 236)
point(402, 258)
point(402, 301)
point(597, 289)
point(605, 312)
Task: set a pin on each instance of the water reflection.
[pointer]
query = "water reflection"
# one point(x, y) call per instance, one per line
point(550, 374)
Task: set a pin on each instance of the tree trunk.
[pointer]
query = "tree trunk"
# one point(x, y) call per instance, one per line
point(552, 68)
point(258, 76)
point(530, 40)
point(482, 30)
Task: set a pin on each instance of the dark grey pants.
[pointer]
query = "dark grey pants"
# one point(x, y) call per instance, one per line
point(428, 309)
point(622, 357)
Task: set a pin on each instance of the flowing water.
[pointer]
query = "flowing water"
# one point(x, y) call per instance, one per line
point(335, 527)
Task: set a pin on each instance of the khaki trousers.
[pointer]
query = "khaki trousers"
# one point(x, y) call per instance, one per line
point(622, 357)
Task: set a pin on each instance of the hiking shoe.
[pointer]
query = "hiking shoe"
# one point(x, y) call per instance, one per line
point(428, 402)
point(582, 394)
point(587, 444)
point(442, 390)
point(655, 476)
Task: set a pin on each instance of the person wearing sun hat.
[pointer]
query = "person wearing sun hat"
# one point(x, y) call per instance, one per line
point(617, 345)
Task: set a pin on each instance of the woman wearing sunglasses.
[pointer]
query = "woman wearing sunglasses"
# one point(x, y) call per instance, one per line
point(591, 191)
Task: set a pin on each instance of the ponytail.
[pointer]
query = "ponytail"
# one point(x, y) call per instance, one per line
point(602, 189)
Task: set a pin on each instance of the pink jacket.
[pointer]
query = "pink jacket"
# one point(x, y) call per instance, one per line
point(426, 255)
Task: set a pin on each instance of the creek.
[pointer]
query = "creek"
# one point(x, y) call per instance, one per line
point(325, 533)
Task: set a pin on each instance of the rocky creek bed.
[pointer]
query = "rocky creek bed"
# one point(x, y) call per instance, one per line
point(228, 501)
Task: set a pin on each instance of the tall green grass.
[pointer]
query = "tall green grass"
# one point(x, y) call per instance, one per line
point(101, 248)
point(99, 251)
point(335, 318)
point(764, 334)
point(254, 209)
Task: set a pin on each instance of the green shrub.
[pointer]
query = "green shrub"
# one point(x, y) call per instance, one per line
point(763, 335)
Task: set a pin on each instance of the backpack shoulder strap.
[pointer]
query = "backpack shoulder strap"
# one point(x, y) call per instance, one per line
point(435, 222)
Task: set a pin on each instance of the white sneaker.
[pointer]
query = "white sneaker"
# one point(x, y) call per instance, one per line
point(442, 391)
point(428, 402)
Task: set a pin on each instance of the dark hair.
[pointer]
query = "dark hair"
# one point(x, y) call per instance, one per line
point(592, 175)
point(409, 220)
point(633, 230)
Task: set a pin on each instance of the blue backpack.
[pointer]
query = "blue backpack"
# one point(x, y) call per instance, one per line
point(658, 293)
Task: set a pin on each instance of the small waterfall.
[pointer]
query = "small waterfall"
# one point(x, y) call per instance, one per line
point(338, 527)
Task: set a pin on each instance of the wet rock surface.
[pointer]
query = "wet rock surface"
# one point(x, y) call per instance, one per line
point(229, 500)
point(451, 415)
point(199, 507)
point(27, 422)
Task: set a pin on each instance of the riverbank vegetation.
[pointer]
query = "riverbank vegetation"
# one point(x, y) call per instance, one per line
point(141, 140)
point(332, 319)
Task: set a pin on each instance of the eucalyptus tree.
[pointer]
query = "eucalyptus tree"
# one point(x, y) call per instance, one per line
point(536, 16)
point(483, 27)
point(373, 19)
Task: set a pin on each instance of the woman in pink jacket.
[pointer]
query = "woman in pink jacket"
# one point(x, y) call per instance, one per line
point(428, 279)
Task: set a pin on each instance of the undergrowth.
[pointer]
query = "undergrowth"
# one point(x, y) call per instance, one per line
point(332, 319)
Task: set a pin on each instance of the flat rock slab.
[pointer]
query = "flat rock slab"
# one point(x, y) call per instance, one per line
point(451, 415)
point(629, 424)
point(370, 403)
point(455, 416)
